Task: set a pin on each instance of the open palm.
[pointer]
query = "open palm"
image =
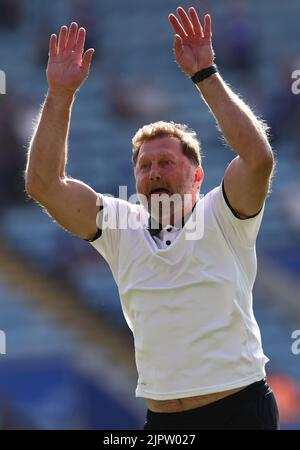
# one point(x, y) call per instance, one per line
point(192, 46)
point(67, 66)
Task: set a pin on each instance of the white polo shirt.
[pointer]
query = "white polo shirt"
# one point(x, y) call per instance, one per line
point(188, 301)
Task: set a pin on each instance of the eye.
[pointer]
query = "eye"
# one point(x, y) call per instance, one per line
point(145, 166)
point(167, 162)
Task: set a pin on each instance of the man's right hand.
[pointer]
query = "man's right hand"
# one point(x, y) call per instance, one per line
point(67, 66)
point(70, 202)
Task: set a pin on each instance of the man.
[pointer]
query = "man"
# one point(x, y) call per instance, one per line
point(187, 300)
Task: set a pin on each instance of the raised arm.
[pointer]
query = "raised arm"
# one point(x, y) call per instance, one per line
point(70, 202)
point(247, 178)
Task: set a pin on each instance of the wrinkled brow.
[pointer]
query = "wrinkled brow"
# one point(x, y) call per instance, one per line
point(163, 154)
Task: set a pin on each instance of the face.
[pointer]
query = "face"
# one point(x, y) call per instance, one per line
point(163, 170)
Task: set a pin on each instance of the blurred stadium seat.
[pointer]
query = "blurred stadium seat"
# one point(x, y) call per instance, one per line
point(100, 151)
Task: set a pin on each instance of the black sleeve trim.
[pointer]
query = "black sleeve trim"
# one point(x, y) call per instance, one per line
point(231, 208)
point(97, 235)
point(99, 232)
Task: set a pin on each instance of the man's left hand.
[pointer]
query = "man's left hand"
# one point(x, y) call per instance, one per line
point(192, 45)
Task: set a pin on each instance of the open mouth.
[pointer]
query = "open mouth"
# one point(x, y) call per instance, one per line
point(160, 191)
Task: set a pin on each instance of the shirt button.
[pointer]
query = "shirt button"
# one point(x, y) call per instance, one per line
point(168, 242)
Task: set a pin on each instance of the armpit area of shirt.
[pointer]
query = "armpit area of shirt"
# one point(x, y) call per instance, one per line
point(99, 231)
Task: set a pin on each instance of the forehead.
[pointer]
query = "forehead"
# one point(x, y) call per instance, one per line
point(161, 145)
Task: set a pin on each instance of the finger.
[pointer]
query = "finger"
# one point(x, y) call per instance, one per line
point(71, 36)
point(79, 45)
point(207, 26)
point(176, 25)
point(87, 60)
point(198, 30)
point(185, 21)
point(52, 45)
point(62, 38)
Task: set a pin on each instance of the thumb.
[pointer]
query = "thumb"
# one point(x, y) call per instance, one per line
point(178, 46)
point(87, 59)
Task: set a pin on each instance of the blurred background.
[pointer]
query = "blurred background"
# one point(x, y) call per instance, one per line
point(69, 360)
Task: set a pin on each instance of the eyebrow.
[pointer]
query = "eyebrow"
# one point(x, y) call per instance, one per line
point(168, 154)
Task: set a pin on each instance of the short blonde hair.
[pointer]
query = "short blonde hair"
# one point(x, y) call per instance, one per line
point(190, 143)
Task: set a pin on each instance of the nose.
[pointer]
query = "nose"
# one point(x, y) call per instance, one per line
point(154, 172)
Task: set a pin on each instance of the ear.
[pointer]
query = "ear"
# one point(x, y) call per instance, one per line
point(199, 176)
